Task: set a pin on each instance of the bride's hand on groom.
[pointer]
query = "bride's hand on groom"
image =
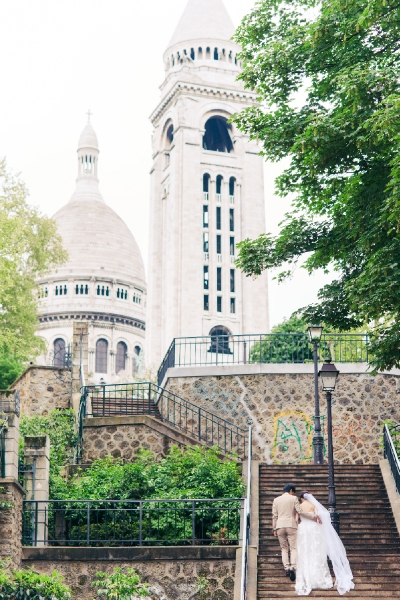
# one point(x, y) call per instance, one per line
point(317, 520)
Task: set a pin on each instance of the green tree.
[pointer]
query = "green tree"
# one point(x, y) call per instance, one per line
point(29, 246)
point(10, 368)
point(326, 74)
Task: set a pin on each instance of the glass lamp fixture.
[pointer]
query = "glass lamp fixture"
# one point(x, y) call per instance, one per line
point(329, 375)
point(315, 333)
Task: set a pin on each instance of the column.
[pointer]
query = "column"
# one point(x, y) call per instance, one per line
point(37, 453)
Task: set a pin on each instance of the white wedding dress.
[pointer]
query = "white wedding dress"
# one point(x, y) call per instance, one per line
point(314, 543)
point(312, 566)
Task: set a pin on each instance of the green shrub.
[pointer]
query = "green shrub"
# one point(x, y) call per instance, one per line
point(197, 472)
point(26, 584)
point(120, 585)
point(59, 425)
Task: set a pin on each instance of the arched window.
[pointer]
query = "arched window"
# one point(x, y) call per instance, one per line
point(200, 53)
point(208, 53)
point(170, 135)
point(215, 53)
point(59, 352)
point(232, 181)
point(192, 53)
point(120, 361)
point(101, 356)
point(220, 340)
point(136, 359)
point(218, 184)
point(216, 136)
point(206, 182)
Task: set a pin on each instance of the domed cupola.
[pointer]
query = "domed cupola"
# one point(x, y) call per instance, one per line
point(202, 38)
point(103, 281)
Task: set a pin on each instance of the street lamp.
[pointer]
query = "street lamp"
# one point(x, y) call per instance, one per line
point(329, 375)
point(315, 333)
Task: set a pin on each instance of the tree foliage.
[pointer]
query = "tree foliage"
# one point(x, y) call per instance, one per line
point(184, 473)
point(29, 246)
point(326, 74)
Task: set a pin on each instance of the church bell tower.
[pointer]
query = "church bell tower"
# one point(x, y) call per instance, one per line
point(207, 190)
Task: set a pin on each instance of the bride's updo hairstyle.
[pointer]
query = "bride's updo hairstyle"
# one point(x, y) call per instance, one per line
point(303, 493)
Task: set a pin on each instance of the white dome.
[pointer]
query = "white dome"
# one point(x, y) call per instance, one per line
point(88, 138)
point(203, 19)
point(98, 242)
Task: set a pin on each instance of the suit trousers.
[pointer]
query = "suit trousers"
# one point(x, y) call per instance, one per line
point(287, 537)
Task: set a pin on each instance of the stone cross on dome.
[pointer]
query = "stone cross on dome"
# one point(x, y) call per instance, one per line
point(89, 114)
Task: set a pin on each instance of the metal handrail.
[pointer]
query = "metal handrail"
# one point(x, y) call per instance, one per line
point(220, 350)
point(391, 454)
point(246, 516)
point(163, 522)
point(3, 428)
point(147, 398)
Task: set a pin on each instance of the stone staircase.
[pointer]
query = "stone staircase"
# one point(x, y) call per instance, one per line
point(367, 529)
point(117, 406)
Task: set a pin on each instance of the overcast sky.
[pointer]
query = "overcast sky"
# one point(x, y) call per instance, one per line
point(60, 58)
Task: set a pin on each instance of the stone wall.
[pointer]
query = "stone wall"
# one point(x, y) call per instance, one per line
point(11, 521)
point(122, 437)
point(42, 389)
point(169, 579)
point(280, 407)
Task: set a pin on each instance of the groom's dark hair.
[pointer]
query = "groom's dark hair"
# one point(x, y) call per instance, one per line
point(288, 487)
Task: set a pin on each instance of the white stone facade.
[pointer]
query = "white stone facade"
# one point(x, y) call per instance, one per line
point(201, 68)
point(102, 283)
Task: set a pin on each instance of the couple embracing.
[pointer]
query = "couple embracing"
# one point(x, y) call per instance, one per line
point(306, 537)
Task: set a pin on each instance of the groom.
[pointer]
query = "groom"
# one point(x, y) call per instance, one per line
point(284, 523)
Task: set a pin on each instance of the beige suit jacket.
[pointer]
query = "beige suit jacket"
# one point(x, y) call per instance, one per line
point(284, 510)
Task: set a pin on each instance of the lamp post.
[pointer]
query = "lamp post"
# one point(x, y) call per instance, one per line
point(315, 333)
point(329, 375)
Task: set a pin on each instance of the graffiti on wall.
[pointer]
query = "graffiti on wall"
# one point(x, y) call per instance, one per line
point(292, 438)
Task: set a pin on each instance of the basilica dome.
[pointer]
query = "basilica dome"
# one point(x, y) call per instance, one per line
point(102, 282)
point(97, 240)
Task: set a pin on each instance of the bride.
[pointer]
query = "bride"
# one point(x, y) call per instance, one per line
point(314, 543)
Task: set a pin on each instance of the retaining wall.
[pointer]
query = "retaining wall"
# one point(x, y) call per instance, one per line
point(280, 407)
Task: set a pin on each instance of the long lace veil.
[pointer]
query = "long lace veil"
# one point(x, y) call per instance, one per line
point(336, 550)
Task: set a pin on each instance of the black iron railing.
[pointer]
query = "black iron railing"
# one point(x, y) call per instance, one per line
point(217, 350)
point(149, 399)
point(132, 522)
point(391, 441)
point(3, 427)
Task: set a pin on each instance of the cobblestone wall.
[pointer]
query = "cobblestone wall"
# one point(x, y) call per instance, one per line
point(42, 389)
point(280, 408)
point(11, 522)
point(169, 580)
point(122, 437)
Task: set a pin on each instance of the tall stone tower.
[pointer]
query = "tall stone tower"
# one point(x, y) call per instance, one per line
point(207, 190)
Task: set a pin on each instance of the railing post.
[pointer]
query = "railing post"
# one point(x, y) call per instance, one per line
point(193, 523)
point(140, 523)
point(104, 400)
point(88, 523)
point(199, 424)
point(244, 353)
point(149, 398)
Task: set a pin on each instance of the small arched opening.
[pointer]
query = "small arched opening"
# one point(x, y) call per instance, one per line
point(206, 185)
point(101, 356)
point(120, 360)
point(232, 182)
point(216, 135)
point(218, 184)
point(220, 337)
point(59, 352)
point(137, 358)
